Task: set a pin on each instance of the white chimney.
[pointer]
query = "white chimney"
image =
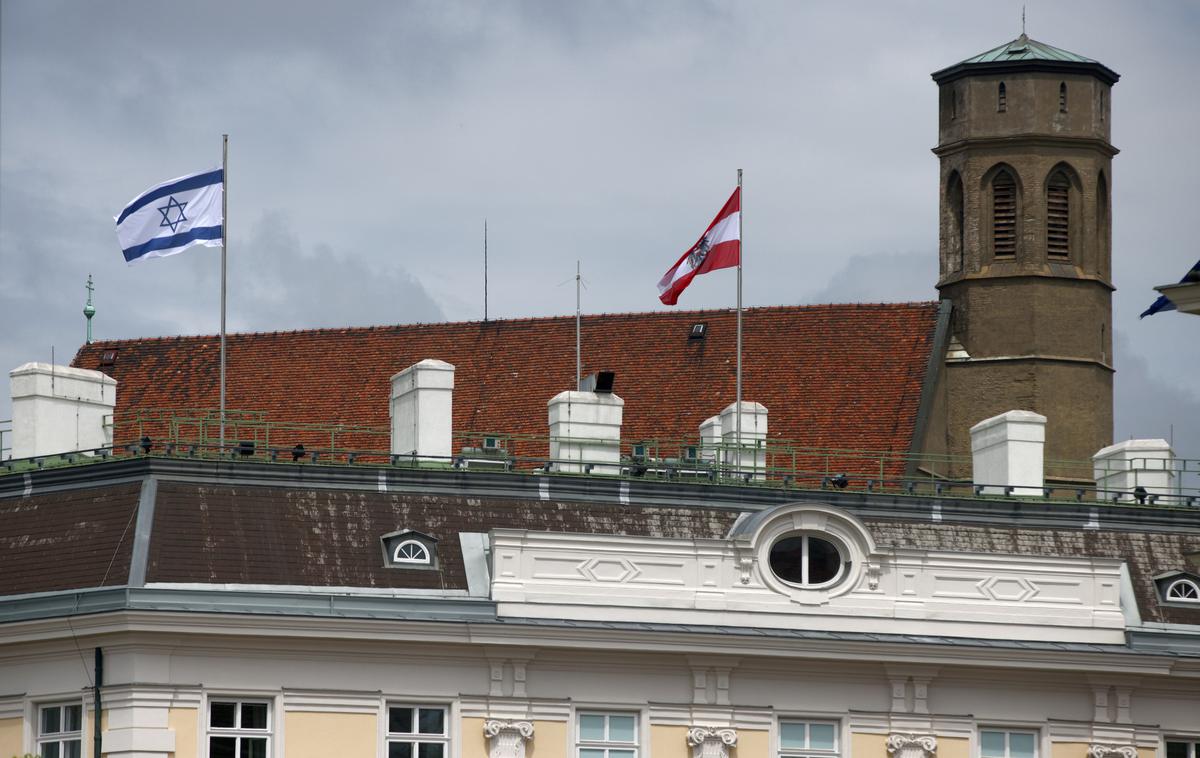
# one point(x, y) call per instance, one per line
point(59, 409)
point(751, 456)
point(422, 400)
point(710, 438)
point(585, 432)
point(1125, 466)
point(1007, 451)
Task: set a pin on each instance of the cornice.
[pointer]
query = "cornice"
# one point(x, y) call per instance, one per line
point(1025, 140)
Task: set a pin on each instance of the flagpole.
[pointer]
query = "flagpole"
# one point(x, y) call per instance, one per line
point(741, 241)
point(578, 352)
point(224, 251)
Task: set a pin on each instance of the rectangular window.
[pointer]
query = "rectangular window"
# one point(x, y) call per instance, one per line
point(239, 729)
point(808, 738)
point(60, 730)
point(417, 731)
point(994, 743)
point(607, 735)
point(1183, 748)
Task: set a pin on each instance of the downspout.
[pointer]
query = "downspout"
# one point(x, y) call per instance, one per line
point(98, 683)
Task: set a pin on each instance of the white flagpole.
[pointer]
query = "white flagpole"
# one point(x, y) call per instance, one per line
point(741, 240)
point(224, 250)
point(578, 352)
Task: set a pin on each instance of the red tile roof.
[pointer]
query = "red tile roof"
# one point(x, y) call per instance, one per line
point(845, 376)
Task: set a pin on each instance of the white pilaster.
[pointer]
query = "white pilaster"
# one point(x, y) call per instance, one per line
point(506, 739)
point(912, 745)
point(708, 742)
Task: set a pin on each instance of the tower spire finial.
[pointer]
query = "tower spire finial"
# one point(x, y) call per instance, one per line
point(89, 310)
point(1022, 20)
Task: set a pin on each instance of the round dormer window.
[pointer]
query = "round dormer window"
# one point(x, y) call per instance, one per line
point(808, 560)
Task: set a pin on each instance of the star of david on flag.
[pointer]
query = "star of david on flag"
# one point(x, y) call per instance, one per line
point(170, 217)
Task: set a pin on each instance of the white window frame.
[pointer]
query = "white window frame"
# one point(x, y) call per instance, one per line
point(415, 738)
point(62, 736)
point(1008, 732)
point(606, 744)
point(237, 731)
point(1193, 745)
point(807, 751)
point(844, 564)
point(1183, 581)
point(427, 560)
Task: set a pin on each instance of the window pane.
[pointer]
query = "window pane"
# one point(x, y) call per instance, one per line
point(74, 718)
point(792, 734)
point(431, 721)
point(254, 715)
point(591, 753)
point(591, 728)
point(72, 749)
point(223, 715)
point(222, 747)
point(991, 744)
point(1177, 750)
point(51, 723)
point(400, 720)
point(820, 736)
point(254, 747)
point(621, 729)
point(400, 750)
point(1020, 745)
point(620, 754)
point(430, 750)
point(787, 559)
point(50, 750)
point(824, 561)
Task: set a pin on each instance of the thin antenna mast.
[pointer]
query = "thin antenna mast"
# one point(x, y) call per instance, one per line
point(89, 310)
point(1022, 20)
point(578, 352)
point(485, 269)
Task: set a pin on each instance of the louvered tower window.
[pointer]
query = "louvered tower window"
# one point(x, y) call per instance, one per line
point(1004, 215)
point(1002, 98)
point(1062, 97)
point(1058, 217)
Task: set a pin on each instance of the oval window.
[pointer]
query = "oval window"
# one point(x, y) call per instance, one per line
point(807, 560)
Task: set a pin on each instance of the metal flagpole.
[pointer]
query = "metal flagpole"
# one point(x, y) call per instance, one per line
point(485, 269)
point(741, 238)
point(224, 251)
point(578, 353)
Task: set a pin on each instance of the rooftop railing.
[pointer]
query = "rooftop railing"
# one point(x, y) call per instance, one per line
point(250, 436)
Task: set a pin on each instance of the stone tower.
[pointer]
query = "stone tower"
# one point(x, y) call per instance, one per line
point(1026, 247)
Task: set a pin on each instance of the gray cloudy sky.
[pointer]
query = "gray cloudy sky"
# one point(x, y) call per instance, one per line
point(369, 140)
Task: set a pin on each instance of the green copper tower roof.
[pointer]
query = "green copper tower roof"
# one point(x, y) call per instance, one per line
point(1025, 54)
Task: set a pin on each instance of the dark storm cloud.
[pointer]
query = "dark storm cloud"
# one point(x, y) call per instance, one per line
point(370, 139)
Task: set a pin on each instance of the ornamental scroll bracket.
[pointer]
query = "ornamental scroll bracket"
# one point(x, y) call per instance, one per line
point(707, 742)
point(506, 739)
point(1112, 751)
point(911, 745)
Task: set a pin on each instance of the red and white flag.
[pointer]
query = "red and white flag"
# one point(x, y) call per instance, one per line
point(719, 247)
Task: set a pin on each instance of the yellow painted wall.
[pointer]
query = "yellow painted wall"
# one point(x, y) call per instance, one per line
point(184, 722)
point(753, 744)
point(669, 742)
point(320, 735)
point(549, 740)
point(953, 747)
point(10, 737)
point(1068, 749)
point(870, 745)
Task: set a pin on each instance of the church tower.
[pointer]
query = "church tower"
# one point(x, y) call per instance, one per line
point(1026, 246)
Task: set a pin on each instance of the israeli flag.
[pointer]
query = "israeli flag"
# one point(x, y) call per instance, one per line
point(171, 217)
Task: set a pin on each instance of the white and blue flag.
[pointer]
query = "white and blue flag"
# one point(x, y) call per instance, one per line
point(171, 217)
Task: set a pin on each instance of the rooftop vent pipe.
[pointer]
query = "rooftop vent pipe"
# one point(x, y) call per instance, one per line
point(1007, 453)
point(60, 409)
point(421, 407)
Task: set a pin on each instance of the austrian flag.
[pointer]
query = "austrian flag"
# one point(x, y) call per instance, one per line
point(719, 247)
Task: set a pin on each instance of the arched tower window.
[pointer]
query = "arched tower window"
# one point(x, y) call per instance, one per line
point(1062, 97)
point(956, 250)
point(1004, 215)
point(1001, 98)
point(1101, 105)
point(1058, 216)
point(1103, 221)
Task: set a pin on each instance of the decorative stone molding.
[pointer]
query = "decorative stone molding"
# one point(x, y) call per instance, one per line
point(1112, 751)
point(708, 742)
point(507, 738)
point(912, 745)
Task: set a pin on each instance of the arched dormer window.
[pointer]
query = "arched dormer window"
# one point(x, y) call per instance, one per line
point(411, 551)
point(1004, 215)
point(1001, 98)
point(1184, 590)
point(1062, 97)
point(1058, 216)
point(955, 249)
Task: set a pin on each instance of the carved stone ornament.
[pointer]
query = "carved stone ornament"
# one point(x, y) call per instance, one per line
point(507, 738)
point(912, 745)
point(707, 742)
point(1112, 751)
point(745, 567)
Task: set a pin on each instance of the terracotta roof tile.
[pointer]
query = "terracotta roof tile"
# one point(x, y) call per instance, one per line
point(846, 376)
